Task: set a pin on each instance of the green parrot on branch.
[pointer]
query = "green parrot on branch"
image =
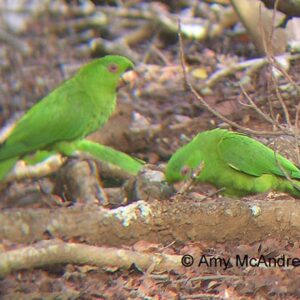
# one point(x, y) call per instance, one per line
point(78, 107)
point(237, 163)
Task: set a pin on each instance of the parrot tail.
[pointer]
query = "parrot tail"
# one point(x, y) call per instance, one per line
point(292, 187)
point(6, 166)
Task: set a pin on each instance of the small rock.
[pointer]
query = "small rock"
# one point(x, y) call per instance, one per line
point(151, 183)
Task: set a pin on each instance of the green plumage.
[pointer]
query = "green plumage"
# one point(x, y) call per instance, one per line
point(241, 165)
point(78, 107)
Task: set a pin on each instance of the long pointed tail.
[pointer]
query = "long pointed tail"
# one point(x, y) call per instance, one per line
point(292, 187)
point(6, 166)
point(107, 154)
point(296, 188)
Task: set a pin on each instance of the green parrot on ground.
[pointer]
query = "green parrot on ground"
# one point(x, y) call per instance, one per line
point(235, 162)
point(78, 107)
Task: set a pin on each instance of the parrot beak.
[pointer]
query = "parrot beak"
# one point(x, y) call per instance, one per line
point(127, 78)
point(122, 83)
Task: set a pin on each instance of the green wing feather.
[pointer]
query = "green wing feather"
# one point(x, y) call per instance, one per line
point(253, 158)
point(47, 123)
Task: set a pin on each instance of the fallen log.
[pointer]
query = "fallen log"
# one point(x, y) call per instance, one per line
point(179, 220)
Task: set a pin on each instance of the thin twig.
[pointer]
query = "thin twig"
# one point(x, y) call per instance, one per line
point(271, 59)
point(296, 131)
point(251, 64)
point(258, 110)
point(283, 170)
point(274, 62)
point(215, 277)
point(282, 103)
point(208, 107)
point(191, 179)
point(205, 296)
point(271, 107)
point(254, 64)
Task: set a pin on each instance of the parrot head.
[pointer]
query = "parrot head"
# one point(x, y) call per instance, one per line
point(106, 70)
point(182, 164)
point(189, 160)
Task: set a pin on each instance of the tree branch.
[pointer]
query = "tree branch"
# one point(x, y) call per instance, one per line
point(47, 253)
point(181, 219)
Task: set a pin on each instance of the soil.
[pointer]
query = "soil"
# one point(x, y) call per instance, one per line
point(156, 115)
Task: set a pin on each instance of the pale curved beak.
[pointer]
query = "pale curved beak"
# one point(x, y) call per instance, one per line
point(128, 78)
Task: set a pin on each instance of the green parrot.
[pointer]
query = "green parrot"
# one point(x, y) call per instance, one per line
point(78, 107)
point(235, 162)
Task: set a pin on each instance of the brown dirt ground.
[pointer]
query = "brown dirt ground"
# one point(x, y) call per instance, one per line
point(158, 96)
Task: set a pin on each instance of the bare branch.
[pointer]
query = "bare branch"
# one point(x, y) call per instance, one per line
point(157, 222)
point(283, 170)
point(47, 253)
point(282, 103)
point(296, 131)
point(191, 178)
point(208, 107)
point(258, 110)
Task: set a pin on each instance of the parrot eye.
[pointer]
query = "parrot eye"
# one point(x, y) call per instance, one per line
point(113, 68)
point(185, 170)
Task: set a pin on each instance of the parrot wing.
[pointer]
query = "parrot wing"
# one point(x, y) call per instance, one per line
point(62, 116)
point(252, 157)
